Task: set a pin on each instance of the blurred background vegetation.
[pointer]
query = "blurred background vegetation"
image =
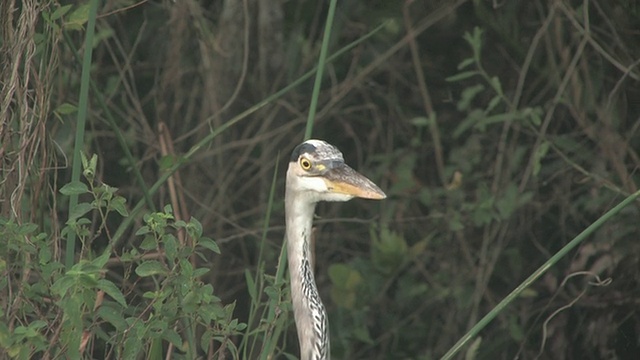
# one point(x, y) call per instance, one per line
point(498, 129)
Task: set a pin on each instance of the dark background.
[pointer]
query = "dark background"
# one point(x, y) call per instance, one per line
point(487, 174)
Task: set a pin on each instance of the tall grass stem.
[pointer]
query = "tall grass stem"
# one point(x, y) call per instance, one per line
point(536, 275)
point(321, 64)
point(83, 106)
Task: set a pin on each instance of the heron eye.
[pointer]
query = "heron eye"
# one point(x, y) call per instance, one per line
point(305, 164)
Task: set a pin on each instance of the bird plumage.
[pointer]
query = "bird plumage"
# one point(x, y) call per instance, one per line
point(316, 172)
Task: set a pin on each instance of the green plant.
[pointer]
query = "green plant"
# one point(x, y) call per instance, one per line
point(92, 307)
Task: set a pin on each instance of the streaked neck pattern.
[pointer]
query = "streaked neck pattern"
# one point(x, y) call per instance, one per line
point(309, 312)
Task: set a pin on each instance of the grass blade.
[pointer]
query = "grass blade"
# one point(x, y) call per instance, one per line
point(533, 277)
point(321, 63)
point(83, 105)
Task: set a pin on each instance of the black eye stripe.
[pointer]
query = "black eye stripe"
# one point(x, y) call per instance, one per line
point(304, 148)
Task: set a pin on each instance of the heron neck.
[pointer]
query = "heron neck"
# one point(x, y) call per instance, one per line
point(308, 310)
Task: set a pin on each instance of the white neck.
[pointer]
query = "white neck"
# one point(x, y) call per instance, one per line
point(308, 310)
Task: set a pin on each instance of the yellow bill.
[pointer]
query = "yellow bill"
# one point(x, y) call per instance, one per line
point(344, 180)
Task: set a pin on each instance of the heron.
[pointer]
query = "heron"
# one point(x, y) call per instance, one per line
point(317, 172)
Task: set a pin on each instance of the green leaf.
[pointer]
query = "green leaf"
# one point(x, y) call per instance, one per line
point(497, 86)
point(89, 167)
point(493, 119)
point(74, 188)
point(420, 121)
point(536, 116)
point(78, 17)
point(112, 316)
point(362, 333)
point(213, 312)
point(170, 247)
point(461, 76)
point(529, 293)
point(272, 292)
point(172, 336)
point(475, 40)
point(156, 327)
point(200, 272)
point(465, 63)
point(515, 329)
point(207, 243)
point(66, 108)
point(101, 260)
point(338, 273)
point(60, 12)
point(62, 285)
point(507, 203)
point(167, 162)
point(37, 325)
point(388, 252)
point(190, 302)
point(493, 103)
point(110, 289)
point(455, 224)
point(205, 340)
point(88, 281)
point(150, 295)
point(149, 243)
point(84, 159)
point(467, 96)
point(80, 210)
point(101, 35)
point(44, 255)
point(346, 282)
point(150, 268)
point(194, 228)
point(540, 153)
point(118, 204)
point(27, 228)
point(93, 163)
point(132, 347)
point(251, 284)
point(143, 230)
point(187, 268)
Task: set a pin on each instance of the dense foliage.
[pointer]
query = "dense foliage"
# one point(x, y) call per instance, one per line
point(499, 130)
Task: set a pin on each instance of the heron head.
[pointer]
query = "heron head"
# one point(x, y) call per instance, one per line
point(317, 169)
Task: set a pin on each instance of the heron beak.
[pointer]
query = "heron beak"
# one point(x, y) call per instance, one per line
point(344, 180)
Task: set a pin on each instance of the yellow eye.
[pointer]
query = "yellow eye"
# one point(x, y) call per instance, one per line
point(305, 164)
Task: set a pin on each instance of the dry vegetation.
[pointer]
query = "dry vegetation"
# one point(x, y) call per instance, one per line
point(499, 130)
